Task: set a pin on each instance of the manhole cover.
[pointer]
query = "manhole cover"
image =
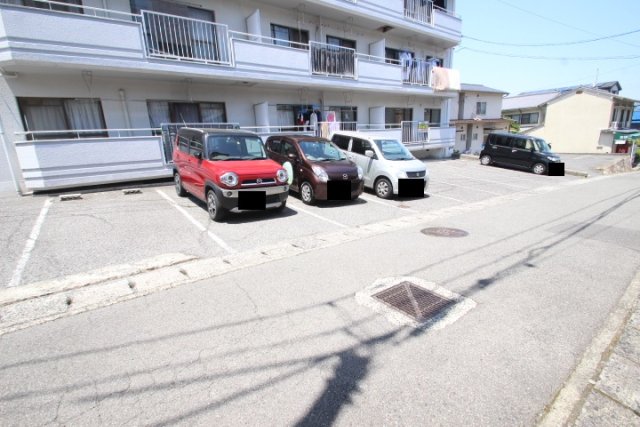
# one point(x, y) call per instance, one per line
point(444, 232)
point(414, 301)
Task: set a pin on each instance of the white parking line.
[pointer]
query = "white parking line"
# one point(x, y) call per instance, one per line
point(298, 208)
point(28, 247)
point(380, 202)
point(445, 197)
point(195, 222)
point(469, 188)
point(473, 178)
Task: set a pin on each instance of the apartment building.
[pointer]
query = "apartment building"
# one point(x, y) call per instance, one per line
point(88, 87)
point(576, 119)
point(477, 112)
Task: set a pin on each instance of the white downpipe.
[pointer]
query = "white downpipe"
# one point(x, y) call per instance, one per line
point(6, 153)
point(125, 108)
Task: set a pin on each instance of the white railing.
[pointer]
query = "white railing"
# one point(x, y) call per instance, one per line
point(414, 132)
point(76, 9)
point(325, 129)
point(175, 37)
point(416, 72)
point(419, 11)
point(44, 135)
point(267, 40)
point(332, 60)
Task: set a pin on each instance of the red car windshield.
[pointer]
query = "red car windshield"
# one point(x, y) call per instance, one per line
point(234, 147)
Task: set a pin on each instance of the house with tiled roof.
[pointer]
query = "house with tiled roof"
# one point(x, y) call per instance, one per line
point(476, 114)
point(576, 119)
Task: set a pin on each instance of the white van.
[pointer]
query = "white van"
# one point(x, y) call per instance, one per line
point(384, 161)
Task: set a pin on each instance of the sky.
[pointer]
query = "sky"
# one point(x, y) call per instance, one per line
point(564, 26)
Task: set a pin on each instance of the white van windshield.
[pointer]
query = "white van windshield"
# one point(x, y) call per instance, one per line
point(393, 150)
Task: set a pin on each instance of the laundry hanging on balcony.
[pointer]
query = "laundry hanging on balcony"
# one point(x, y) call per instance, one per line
point(445, 79)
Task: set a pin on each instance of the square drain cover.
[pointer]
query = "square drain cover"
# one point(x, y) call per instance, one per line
point(416, 302)
point(412, 301)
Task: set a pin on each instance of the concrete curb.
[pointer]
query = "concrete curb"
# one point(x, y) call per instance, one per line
point(570, 400)
point(566, 171)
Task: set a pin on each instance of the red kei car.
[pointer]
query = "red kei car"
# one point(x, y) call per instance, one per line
point(227, 169)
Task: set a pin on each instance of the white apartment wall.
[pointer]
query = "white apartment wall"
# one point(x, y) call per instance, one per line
point(239, 100)
point(234, 15)
point(494, 105)
point(574, 124)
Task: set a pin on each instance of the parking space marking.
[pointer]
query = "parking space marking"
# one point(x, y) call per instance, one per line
point(299, 209)
point(31, 243)
point(445, 197)
point(380, 202)
point(491, 181)
point(468, 188)
point(195, 222)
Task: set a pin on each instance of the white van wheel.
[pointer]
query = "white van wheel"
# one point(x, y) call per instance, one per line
point(383, 188)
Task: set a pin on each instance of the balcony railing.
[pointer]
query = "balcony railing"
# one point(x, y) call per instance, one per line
point(419, 10)
point(416, 72)
point(332, 60)
point(175, 37)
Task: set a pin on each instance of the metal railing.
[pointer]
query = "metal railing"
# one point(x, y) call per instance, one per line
point(332, 60)
point(175, 37)
point(76, 9)
point(41, 135)
point(416, 72)
point(419, 11)
point(414, 132)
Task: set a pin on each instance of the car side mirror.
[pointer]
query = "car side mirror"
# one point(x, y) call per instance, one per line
point(549, 145)
point(369, 153)
point(198, 155)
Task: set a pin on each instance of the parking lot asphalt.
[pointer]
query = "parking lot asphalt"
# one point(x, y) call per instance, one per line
point(46, 238)
point(285, 342)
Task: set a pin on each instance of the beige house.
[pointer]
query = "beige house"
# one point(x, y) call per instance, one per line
point(580, 119)
point(477, 113)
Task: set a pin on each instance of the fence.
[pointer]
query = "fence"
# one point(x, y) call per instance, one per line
point(175, 37)
point(332, 60)
point(419, 10)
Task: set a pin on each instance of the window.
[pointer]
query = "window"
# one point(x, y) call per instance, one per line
point(183, 143)
point(398, 115)
point(437, 62)
point(195, 145)
point(341, 141)
point(501, 140)
point(529, 119)
point(396, 55)
point(432, 116)
point(254, 147)
point(290, 37)
point(59, 7)
point(519, 143)
point(463, 137)
point(360, 146)
point(59, 114)
point(185, 112)
point(475, 136)
point(481, 108)
point(345, 115)
point(337, 41)
point(275, 146)
point(288, 148)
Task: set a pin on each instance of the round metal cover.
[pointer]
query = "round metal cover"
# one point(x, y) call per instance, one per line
point(444, 232)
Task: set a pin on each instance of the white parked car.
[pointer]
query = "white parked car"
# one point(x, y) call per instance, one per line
point(385, 161)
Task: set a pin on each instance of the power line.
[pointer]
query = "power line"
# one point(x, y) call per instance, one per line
point(551, 44)
point(559, 22)
point(551, 58)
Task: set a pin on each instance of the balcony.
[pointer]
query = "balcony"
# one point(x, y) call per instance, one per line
point(331, 60)
point(419, 10)
point(160, 43)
